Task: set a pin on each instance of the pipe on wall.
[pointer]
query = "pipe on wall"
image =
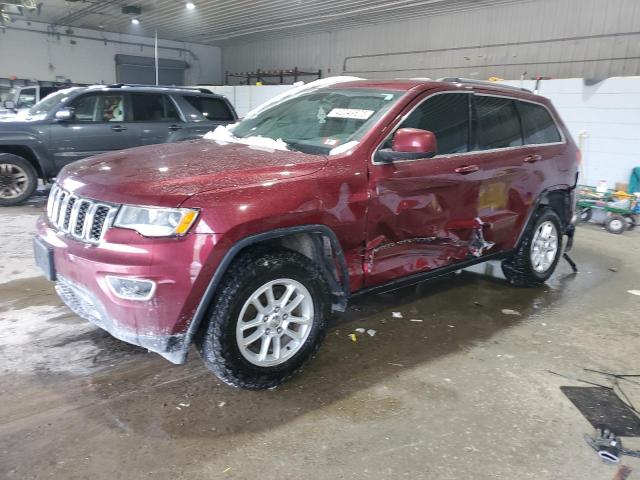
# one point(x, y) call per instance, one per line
point(102, 40)
point(491, 45)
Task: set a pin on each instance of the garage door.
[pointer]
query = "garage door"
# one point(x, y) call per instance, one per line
point(134, 69)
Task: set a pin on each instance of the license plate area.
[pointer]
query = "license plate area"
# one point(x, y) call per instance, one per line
point(44, 258)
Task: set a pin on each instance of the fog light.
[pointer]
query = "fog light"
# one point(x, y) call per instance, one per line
point(131, 288)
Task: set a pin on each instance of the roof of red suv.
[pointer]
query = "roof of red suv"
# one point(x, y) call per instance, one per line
point(406, 84)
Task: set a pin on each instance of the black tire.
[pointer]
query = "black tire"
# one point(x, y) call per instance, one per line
point(518, 268)
point(217, 342)
point(13, 192)
point(615, 224)
point(585, 215)
point(631, 222)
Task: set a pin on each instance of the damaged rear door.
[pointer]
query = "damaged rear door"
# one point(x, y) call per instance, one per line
point(423, 214)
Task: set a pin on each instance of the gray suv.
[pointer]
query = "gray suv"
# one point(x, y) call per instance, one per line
point(78, 122)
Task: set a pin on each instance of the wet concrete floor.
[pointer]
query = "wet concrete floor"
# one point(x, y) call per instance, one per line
point(454, 389)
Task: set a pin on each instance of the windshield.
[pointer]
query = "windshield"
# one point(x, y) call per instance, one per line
point(320, 120)
point(49, 102)
point(7, 93)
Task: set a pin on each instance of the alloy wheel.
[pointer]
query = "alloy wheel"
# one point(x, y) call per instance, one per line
point(13, 180)
point(544, 247)
point(275, 322)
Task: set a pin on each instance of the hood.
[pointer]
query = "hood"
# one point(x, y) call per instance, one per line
point(168, 174)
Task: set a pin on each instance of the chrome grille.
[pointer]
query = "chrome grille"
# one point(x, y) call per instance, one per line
point(82, 218)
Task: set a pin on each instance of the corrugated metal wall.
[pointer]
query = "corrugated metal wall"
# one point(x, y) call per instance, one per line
point(555, 38)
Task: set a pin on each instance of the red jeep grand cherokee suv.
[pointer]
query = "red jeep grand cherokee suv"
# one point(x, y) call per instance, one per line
point(245, 242)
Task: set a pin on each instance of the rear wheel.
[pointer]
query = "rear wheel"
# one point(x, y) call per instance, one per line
point(18, 179)
point(616, 224)
point(585, 215)
point(267, 321)
point(539, 252)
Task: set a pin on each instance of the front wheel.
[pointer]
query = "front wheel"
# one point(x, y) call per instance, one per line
point(267, 320)
point(18, 180)
point(539, 252)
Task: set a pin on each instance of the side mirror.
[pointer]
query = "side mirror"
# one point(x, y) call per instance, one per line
point(410, 144)
point(9, 105)
point(65, 114)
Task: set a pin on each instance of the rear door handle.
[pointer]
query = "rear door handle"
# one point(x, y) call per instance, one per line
point(466, 169)
point(173, 128)
point(532, 158)
point(118, 128)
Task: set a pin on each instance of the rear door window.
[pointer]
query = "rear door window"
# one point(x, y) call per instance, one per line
point(497, 123)
point(153, 107)
point(537, 124)
point(213, 109)
point(447, 116)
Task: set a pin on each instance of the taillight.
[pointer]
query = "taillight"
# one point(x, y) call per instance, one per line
point(578, 156)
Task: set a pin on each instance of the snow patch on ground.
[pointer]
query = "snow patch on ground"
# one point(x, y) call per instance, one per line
point(45, 339)
point(17, 256)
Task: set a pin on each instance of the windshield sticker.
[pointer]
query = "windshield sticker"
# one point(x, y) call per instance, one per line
point(331, 141)
point(350, 113)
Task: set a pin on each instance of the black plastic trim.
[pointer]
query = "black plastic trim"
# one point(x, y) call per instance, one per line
point(431, 274)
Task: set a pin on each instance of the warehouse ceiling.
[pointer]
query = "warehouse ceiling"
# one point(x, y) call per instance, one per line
point(218, 22)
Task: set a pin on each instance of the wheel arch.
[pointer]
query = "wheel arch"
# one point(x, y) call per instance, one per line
point(317, 242)
point(558, 198)
point(28, 154)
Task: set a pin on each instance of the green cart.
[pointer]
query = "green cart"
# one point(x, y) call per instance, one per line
point(617, 211)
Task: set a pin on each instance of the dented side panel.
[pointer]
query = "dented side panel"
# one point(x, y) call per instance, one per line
point(421, 216)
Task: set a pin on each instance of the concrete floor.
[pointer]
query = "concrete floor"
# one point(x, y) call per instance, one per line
point(462, 394)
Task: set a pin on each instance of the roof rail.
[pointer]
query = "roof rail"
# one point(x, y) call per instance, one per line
point(473, 81)
point(120, 85)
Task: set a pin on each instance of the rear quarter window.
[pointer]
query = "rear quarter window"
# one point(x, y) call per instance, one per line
point(537, 124)
point(213, 109)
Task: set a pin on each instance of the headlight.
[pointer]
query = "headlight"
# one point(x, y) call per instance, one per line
point(156, 222)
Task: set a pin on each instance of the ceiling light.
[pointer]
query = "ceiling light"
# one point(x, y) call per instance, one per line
point(190, 5)
point(135, 21)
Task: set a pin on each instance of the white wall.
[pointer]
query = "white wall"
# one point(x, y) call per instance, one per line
point(608, 116)
point(40, 56)
point(554, 38)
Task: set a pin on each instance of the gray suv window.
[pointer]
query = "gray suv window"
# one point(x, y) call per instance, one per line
point(213, 109)
point(98, 108)
point(152, 107)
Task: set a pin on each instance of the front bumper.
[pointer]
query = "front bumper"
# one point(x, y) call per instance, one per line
point(86, 305)
point(179, 267)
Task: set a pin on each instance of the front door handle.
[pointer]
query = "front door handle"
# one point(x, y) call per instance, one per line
point(532, 158)
point(173, 128)
point(466, 169)
point(118, 128)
